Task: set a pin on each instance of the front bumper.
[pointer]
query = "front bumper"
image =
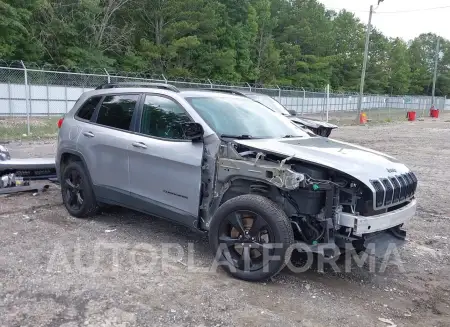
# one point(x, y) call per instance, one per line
point(31, 168)
point(366, 225)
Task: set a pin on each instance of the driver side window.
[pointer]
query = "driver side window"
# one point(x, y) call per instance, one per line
point(162, 117)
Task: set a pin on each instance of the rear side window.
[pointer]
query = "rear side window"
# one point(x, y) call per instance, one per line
point(87, 109)
point(117, 110)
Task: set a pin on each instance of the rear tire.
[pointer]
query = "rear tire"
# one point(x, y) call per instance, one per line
point(228, 231)
point(76, 190)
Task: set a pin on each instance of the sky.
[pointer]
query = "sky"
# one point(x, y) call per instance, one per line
point(416, 17)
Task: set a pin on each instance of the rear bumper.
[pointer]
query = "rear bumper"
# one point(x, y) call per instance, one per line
point(366, 225)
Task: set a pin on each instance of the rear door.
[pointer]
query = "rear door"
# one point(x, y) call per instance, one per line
point(104, 144)
point(165, 168)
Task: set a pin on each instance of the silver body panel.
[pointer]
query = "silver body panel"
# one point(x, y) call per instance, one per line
point(164, 177)
point(106, 156)
point(166, 172)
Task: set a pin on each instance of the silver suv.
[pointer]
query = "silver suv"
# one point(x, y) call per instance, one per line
point(224, 165)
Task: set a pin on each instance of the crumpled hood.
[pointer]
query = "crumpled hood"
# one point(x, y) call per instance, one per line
point(362, 163)
point(312, 123)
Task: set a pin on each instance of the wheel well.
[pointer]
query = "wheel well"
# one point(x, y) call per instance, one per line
point(66, 158)
point(244, 186)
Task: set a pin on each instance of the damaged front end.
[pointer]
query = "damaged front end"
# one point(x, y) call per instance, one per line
point(328, 209)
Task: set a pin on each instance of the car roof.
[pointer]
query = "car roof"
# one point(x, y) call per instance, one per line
point(139, 87)
point(205, 93)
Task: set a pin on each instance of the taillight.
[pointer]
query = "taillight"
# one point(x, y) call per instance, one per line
point(60, 121)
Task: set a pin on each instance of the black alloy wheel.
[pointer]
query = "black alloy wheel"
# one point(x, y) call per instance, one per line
point(247, 237)
point(76, 189)
point(73, 190)
point(250, 236)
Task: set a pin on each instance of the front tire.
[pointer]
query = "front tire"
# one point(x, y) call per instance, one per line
point(250, 236)
point(76, 190)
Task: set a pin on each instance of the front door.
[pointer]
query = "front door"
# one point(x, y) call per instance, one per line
point(165, 169)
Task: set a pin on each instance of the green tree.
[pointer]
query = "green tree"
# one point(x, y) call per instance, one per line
point(348, 38)
point(398, 68)
point(377, 65)
point(284, 42)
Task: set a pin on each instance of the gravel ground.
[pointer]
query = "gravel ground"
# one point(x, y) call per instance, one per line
point(59, 271)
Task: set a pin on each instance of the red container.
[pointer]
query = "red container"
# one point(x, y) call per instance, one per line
point(434, 113)
point(411, 115)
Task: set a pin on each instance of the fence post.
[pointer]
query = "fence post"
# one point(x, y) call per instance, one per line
point(65, 98)
point(107, 74)
point(210, 83)
point(279, 94)
point(27, 104)
point(304, 99)
point(328, 99)
point(10, 99)
point(48, 102)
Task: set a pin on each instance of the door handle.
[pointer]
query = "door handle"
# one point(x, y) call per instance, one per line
point(139, 145)
point(88, 134)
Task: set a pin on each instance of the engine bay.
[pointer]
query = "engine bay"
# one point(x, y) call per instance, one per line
point(312, 196)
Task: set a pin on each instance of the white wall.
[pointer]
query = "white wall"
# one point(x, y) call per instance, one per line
point(44, 100)
point(56, 100)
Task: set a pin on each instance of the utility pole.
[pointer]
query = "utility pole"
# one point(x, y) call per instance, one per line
point(366, 55)
point(436, 59)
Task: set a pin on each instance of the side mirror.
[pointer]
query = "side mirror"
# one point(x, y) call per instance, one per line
point(192, 131)
point(292, 112)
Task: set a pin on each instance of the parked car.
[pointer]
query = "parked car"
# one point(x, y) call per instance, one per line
point(319, 127)
point(223, 165)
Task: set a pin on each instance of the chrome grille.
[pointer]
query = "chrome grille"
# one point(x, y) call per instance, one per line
point(389, 191)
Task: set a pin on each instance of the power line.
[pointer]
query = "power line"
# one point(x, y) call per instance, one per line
point(412, 10)
point(389, 12)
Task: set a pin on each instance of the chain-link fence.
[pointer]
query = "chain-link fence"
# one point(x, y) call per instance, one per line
point(29, 95)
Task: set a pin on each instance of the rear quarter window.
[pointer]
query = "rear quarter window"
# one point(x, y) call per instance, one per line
point(88, 108)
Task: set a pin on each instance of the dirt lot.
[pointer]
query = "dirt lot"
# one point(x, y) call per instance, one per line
point(49, 275)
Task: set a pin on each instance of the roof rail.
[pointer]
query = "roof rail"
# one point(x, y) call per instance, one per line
point(231, 91)
point(139, 84)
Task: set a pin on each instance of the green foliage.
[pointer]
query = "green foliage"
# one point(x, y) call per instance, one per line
point(284, 42)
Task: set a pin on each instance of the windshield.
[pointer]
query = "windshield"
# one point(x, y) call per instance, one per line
point(270, 103)
point(237, 116)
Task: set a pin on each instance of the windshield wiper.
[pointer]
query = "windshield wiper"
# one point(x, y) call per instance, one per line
point(289, 136)
point(239, 137)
